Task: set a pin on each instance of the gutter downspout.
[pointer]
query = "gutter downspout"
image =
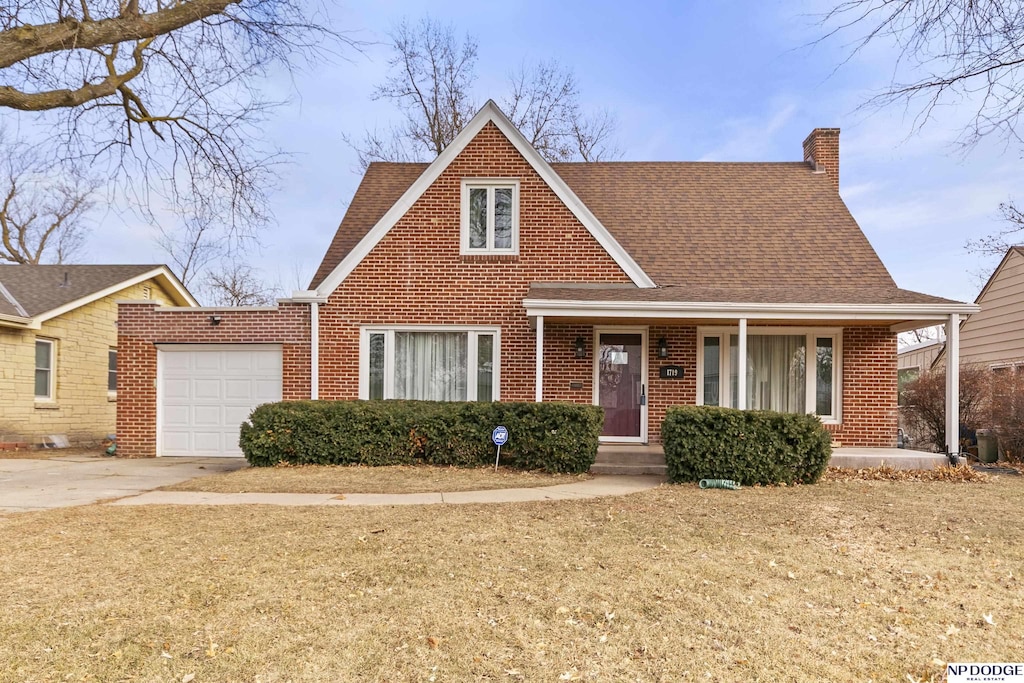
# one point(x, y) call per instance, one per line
point(314, 350)
point(313, 298)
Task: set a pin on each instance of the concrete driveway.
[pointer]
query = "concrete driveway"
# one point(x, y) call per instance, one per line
point(80, 480)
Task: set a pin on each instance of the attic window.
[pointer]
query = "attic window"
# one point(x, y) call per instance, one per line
point(490, 216)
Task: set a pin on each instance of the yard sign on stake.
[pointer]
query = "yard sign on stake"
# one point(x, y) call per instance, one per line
point(499, 436)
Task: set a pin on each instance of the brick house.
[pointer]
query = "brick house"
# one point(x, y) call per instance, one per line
point(58, 345)
point(490, 274)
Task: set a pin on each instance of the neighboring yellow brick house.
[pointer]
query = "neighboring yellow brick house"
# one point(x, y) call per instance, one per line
point(58, 346)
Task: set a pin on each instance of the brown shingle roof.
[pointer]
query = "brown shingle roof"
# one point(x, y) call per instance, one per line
point(750, 224)
point(380, 188)
point(717, 231)
point(750, 294)
point(43, 288)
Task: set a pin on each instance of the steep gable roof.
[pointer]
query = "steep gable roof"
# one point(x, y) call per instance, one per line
point(46, 290)
point(489, 114)
point(702, 231)
point(382, 186)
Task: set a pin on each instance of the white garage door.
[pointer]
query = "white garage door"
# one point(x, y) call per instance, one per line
point(205, 392)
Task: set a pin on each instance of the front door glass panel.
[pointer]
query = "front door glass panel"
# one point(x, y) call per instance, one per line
point(620, 383)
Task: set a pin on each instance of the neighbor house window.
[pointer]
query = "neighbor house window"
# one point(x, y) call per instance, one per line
point(444, 364)
point(112, 371)
point(905, 376)
point(490, 217)
point(788, 370)
point(44, 369)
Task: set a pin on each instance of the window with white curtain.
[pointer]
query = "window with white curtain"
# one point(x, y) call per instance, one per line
point(443, 364)
point(788, 370)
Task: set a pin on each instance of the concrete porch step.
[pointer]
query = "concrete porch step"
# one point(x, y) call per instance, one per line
point(629, 459)
point(630, 470)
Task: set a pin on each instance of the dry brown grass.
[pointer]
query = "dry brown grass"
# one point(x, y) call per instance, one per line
point(859, 580)
point(360, 479)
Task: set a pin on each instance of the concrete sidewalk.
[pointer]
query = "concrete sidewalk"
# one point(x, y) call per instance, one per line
point(602, 485)
point(41, 484)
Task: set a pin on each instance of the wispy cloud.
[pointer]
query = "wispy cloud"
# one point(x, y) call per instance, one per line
point(751, 138)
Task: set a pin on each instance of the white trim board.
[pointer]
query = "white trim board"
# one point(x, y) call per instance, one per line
point(734, 310)
point(489, 113)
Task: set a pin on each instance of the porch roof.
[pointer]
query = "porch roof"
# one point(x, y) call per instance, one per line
point(884, 304)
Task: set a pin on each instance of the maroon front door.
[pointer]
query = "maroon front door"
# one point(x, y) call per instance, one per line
point(620, 384)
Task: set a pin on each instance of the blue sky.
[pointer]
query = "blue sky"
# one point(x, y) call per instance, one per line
point(686, 81)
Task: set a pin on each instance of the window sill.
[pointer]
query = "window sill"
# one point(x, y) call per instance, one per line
point(489, 258)
point(46, 405)
point(112, 398)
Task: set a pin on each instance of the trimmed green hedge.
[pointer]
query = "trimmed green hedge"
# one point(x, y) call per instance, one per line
point(748, 446)
point(556, 437)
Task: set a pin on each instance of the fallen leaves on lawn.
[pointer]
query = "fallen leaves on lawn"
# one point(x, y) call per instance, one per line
point(959, 473)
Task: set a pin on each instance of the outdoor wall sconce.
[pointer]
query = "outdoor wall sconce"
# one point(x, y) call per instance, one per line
point(215, 320)
point(581, 347)
point(663, 348)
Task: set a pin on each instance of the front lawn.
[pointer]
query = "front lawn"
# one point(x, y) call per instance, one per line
point(846, 580)
point(360, 479)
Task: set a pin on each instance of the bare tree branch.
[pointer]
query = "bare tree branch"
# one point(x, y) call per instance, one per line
point(163, 96)
point(237, 284)
point(43, 211)
point(999, 242)
point(967, 50)
point(431, 81)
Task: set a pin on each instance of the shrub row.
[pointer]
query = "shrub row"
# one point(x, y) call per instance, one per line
point(751, 447)
point(556, 437)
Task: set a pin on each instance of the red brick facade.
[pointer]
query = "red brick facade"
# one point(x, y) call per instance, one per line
point(415, 275)
point(869, 388)
point(141, 326)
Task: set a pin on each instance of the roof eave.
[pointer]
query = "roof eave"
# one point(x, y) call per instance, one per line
point(19, 322)
point(896, 313)
point(167, 279)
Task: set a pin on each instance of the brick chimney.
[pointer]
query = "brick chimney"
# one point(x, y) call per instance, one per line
point(821, 151)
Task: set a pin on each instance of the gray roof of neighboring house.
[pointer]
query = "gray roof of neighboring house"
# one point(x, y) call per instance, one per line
point(38, 289)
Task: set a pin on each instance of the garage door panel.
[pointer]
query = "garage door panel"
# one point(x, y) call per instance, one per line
point(206, 389)
point(176, 416)
point(176, 389)
point(207, 416)
point(234, 361)
point(265, 391)
point(235, 389)
point(207, 442)
point(207, 360)
point(176, 363)
point(205, 395)
point(236, 415)
point(175, 441)
point(268, 361)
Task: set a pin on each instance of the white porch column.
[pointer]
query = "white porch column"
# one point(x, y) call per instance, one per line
point(741, 370)
point(953, 384)
point(540, 359)
point(314, 350)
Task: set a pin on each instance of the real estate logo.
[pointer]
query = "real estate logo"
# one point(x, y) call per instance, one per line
point(984, 673)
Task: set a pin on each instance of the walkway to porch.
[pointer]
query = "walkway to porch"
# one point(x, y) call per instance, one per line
point(641, 459)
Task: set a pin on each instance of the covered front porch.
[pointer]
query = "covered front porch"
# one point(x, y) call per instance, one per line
point(637, 352)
